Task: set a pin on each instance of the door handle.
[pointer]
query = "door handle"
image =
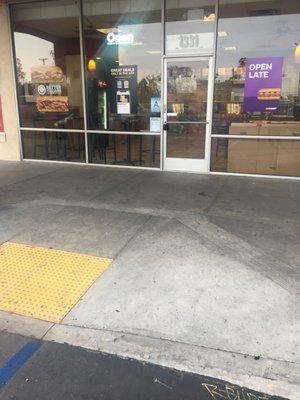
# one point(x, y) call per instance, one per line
point(166, 127)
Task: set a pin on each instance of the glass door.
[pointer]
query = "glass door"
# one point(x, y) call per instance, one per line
point(186, 113)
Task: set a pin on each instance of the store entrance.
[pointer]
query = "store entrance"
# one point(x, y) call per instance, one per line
point(187, 110)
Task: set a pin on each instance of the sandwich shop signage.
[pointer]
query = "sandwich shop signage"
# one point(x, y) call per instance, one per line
point(263, 82)
point(49, 82)
point(119, 38)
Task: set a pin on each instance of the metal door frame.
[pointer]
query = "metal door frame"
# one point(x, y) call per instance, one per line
point(206, 161)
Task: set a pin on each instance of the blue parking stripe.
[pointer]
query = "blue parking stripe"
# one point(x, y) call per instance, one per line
point(17, 360)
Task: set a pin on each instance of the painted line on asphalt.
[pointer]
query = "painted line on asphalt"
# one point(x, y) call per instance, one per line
point(17, 361)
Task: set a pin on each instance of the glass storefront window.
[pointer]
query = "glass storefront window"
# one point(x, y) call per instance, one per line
point(257, 86)
point(129, 150)
point(122, 48)
point(256, 156)
point(186, 141)
point(123, 65)
point(187, 82)
point(189, 27)
point(48, 64)
point(55, 146)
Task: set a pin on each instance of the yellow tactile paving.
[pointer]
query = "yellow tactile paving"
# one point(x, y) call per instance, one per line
point(45, 283)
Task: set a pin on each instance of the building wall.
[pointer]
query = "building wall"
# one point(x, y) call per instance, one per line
point(9, 141)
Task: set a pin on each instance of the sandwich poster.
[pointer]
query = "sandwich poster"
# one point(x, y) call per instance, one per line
point(263, 82)
point(48, 81)
point(46, 74)
point(52, 104)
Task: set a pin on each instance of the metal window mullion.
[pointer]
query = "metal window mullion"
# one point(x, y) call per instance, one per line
point(125, 133)
point(189, 122)
point(162, 86)
point(270, 176)
point(51, 130)
point(83, 78)
point(188, 56)
point(209, 114)
point(12, 50)
point(256, 137)
point(90, 164)
point(213, 77)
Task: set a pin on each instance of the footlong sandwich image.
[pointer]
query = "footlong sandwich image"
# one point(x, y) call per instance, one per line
point(52, 104)
point(45, 74)
point(269, 94)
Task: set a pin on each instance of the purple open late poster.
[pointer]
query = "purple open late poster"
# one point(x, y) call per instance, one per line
point(263, 84)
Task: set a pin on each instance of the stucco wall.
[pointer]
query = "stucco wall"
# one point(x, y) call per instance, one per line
point(9, 143)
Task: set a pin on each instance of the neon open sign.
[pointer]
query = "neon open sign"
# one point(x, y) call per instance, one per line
point(119, 38)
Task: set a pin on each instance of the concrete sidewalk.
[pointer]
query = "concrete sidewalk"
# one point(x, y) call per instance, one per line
point(204, 276)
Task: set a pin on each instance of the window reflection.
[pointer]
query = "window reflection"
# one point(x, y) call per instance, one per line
point(48, 64)
point(55, 146)
point(256, 156)
point(257, 38)
point(189, 26)
point(130, 150)
point(187, 90)
point(123, 59)
point(257, 87)
point(186, 141)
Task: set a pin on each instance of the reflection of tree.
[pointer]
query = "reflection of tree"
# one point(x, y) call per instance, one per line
point(148, 87)
point(230, 92)
point(238, 73)
point(242, 62)
point(52, 55)
point(20, 72)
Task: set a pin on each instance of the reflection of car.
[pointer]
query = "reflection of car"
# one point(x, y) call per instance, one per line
point(64, 121)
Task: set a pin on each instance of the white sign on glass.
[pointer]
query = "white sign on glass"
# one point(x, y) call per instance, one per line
point(155, 124)
point(190, 43)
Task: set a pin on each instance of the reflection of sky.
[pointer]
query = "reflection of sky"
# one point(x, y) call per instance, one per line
point(30, 49)
point(259, 37)
point(252, 37)
point(147, 37)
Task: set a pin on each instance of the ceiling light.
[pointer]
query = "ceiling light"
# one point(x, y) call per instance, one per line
point(222, 34)
point(230, 48)
point(297, 53)
point(92, 65)
point(153, 51)
point(209, 17)
point(105, 31)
